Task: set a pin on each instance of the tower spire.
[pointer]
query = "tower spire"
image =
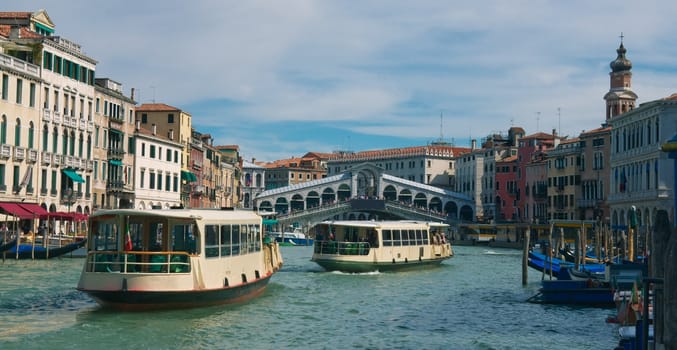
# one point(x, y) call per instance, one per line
point(620, 97)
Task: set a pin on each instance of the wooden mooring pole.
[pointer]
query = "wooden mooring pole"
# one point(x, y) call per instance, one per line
point(525, 256)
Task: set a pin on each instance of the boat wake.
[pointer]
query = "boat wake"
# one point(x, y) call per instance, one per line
point(493, 252)
point(370, 273)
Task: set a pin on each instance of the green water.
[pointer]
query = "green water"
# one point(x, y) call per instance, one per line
point(472, 301)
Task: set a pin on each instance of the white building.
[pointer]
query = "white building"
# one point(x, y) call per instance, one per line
point(157, 170)
point(430, 165)
point(641, 174)
point(253, 182)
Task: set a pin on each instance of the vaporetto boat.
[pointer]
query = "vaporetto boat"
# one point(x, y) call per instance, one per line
point(364, 246)
point(176, 258)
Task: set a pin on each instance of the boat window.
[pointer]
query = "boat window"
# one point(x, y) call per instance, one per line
point(396, 238)
point(425, 237)
point(155, 243)
point(135, 231)
point(211, 241)
point(412, 237)
point(105, 234)
point(235, 237)
point(244, 239)
point(419, 237)
point(182, 236)
point(387, 238)
point(225, 240)
point(405, 237)
point(256, 234)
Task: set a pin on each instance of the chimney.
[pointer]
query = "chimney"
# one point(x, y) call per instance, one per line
point(473, 144)
point(253, 160)
point(171, 134)
point(554, 132)
point(154, 129)
point(14, 33)
point(138, 125)
point(132, 97)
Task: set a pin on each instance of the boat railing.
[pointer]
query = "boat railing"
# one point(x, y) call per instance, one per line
point(342, 248)
point(138, 262)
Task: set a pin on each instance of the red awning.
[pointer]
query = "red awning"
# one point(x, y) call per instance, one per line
point(15, 210)
point(35, 209)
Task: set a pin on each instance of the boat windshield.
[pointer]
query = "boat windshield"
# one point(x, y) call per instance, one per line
point(143, 233)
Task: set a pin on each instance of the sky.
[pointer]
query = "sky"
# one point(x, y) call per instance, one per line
point(283, 78)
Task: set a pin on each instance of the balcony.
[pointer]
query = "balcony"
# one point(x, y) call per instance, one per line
point(90, 125)
point(116, 153)
point(57, 117)
point(5, 151)
point(19, 153)
point(57, 160)
point(32, 156)
point(115, 186)
point(46, 115)
point(45, 158)
point(90, 165)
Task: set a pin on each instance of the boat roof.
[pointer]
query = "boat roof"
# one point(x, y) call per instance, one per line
point(391, 223)
point(199, 214)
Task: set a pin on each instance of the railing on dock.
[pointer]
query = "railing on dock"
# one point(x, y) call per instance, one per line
point(138, 262)
point(342, 248)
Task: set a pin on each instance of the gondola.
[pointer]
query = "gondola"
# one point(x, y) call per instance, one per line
point(38, 252)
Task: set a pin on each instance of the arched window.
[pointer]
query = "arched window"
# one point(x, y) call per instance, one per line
point(31, 132)
point(17, 132)
point(55, 140)
point(64, 146)
point(89, 147)
point(3, 130)
point(80, 145)
point(72, 143)
point(45, 138)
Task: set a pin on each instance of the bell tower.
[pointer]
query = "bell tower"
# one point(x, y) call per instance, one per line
point(620, 97)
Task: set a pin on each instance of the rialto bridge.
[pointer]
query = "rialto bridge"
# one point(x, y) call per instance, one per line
point(364, 192)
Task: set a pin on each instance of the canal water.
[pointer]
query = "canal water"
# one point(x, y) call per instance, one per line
point(473, 301)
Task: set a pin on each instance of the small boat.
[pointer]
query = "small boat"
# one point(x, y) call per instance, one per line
point(543, 263)
point(176, 258)
point(365, 246)
point(7, 245)
point(40, 252)
point(293, 238)
point(575, 292)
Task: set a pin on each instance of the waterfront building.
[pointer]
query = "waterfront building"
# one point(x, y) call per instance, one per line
point(175, 124)
point(506, 189)
point(232, 165)
point(595, 146)
point(47, 95)
point(527, 147)
point(157, 170)
point(536, 188)
point(477, 172)
point(640, 174)
point(564, 179)
point(112, 180)
point(432, 164)
point(253, 181)
point(295, 170)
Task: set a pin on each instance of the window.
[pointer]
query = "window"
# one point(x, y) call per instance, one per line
point(169, 155)
point(175, 187)
point(144, 118)
point(225, 240)
point(19, 89)
point(45, 138)
point(30, 135)
point(5, 86)
point(159, 181)
point(211, 241)
point(151, 185)
point(170, 118)
point(31, 101)
point(152, 151)
point(17, 133)
point(168, 179)
point(143, 173)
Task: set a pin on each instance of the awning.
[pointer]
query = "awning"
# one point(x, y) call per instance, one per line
point(73, 175)
point(15, 210)
point(188, 176)
point(115, 162)
point(35, 209)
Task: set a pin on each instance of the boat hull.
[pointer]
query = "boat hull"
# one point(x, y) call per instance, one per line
point(362, 266)
point(139, 300)
point(574, 293)
point(29, 251)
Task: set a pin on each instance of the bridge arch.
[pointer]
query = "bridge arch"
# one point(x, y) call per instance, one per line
point(297, 202)
point(421, 201)
point(281, 205)
point(312, 200)
point(343, 192)
point(405, 196)
point(390, 193)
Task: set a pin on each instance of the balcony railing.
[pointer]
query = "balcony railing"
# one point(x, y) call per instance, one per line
point(5, 151)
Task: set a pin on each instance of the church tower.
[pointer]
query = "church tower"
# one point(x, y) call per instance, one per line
point(620, 97)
